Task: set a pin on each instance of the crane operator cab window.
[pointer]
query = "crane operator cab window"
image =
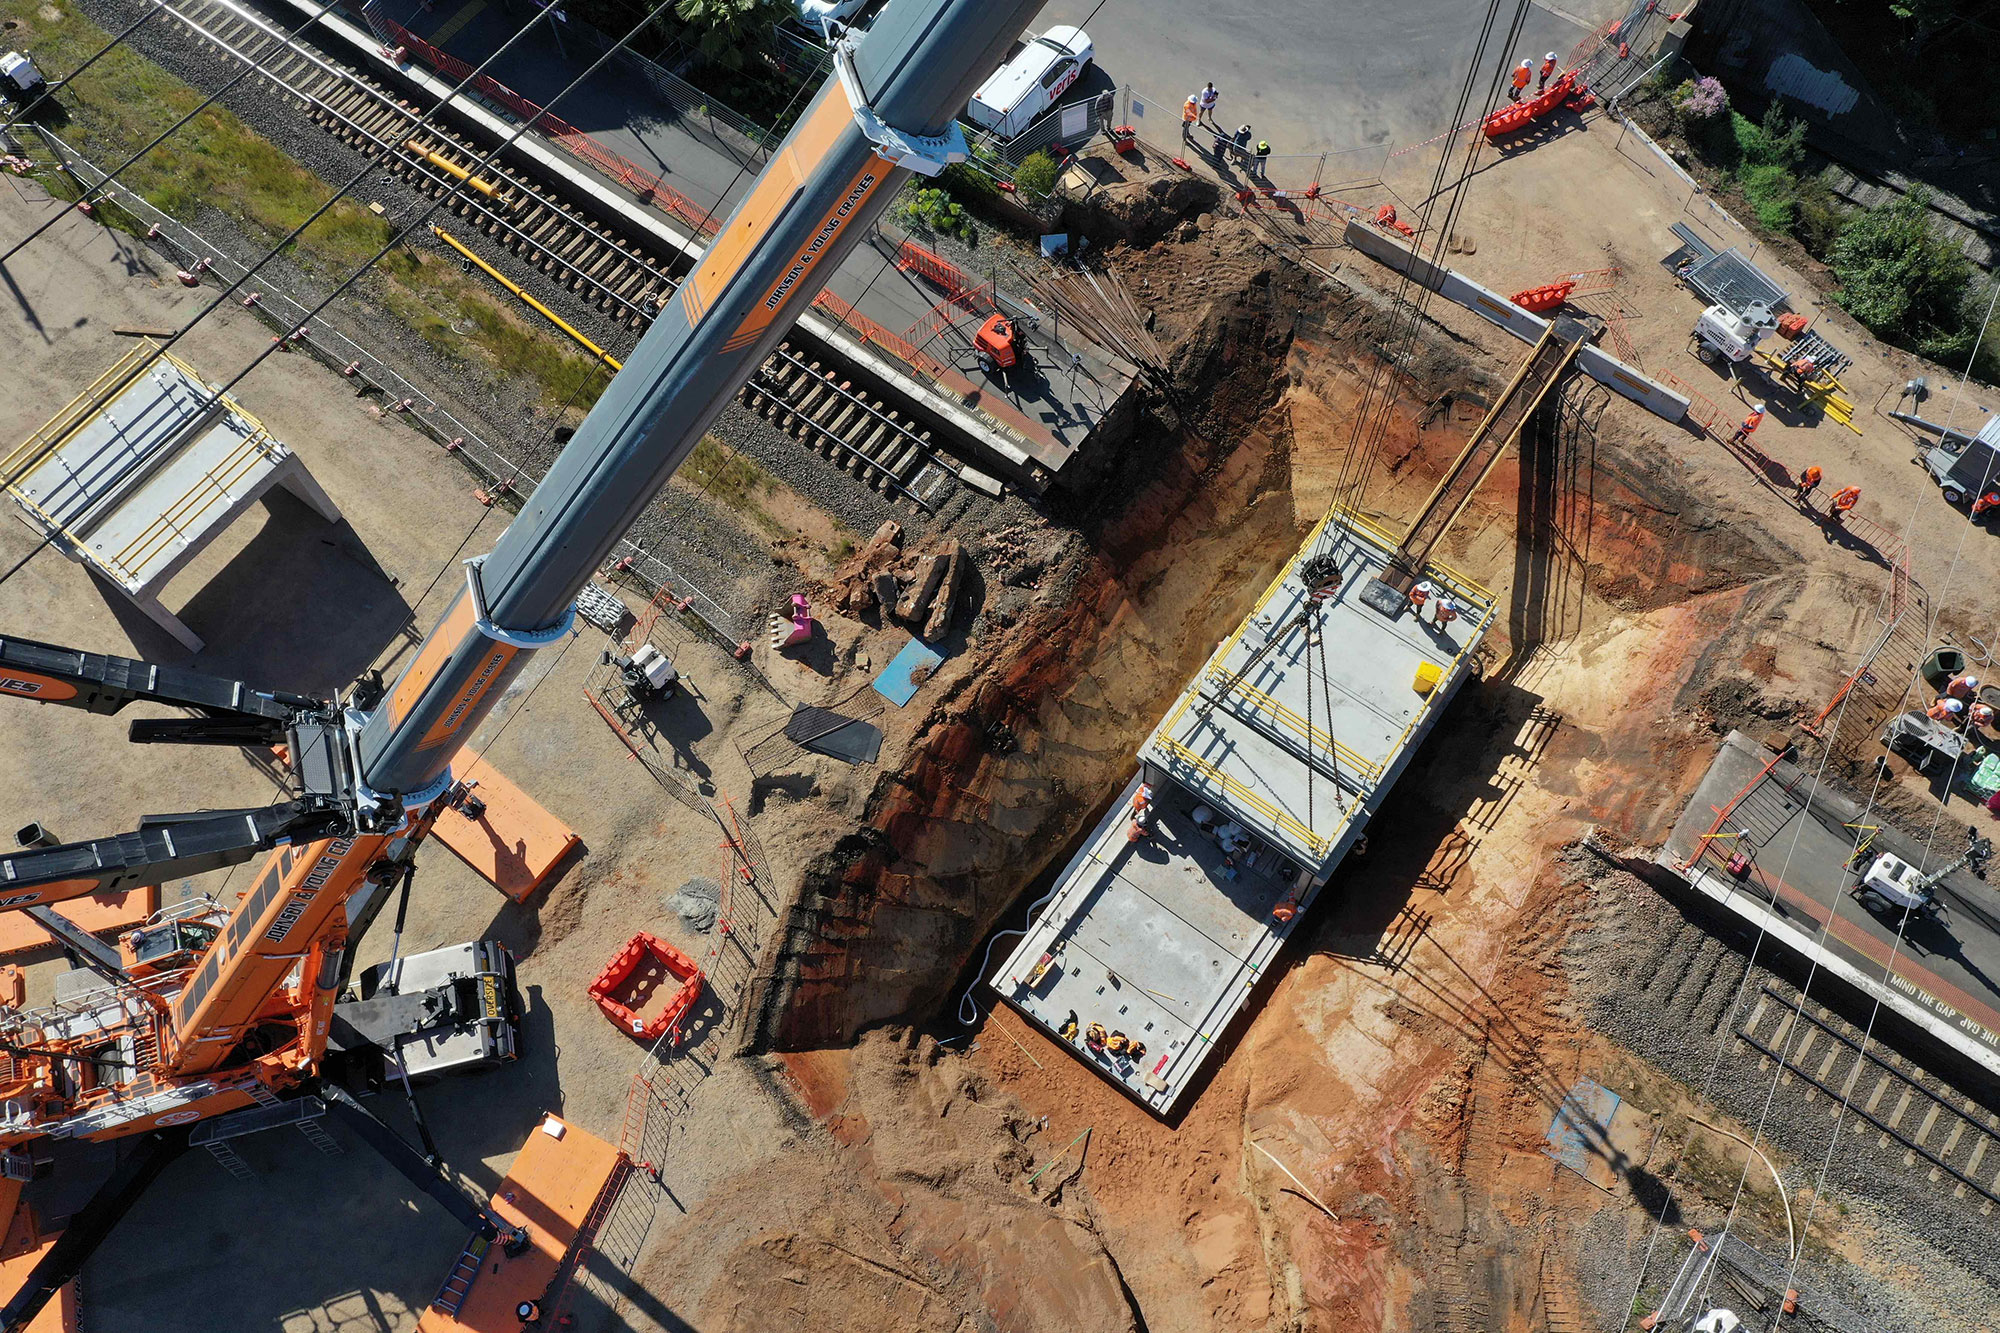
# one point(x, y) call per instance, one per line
point(167, 946)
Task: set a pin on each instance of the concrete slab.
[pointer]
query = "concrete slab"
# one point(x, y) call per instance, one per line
point(1261, 777)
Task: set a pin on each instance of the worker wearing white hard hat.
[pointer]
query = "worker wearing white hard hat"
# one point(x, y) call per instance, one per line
point(1524, 72)
point(1546, 73)
point(1963, 687)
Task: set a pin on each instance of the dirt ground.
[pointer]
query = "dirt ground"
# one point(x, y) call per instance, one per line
point(1367, 1154)
point(1407, 1063)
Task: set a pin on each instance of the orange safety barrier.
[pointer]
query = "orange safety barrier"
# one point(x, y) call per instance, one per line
point(1509, 119)
point(639, 970)
point(870, 332)
point(1546, 297)
point(934, 267)
point(1385, 216)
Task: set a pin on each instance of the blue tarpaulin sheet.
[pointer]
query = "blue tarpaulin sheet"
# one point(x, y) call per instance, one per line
point(898, 681)
point(1582, 1122)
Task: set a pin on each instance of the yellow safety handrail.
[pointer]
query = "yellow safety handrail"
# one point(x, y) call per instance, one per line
point(197, 500)
point(74, 413)
point(1236, 791)
point(1313, 735)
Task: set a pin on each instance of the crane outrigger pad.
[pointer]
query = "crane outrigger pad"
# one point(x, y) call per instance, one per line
point(514, 844)
point(560, 1188)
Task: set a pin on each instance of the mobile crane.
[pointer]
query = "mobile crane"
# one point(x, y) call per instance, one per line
point(242, 1018)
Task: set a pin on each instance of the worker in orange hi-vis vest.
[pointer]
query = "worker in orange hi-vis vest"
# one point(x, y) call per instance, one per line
point(1947, 711)
point(1808, 483)
point(1190, 112)
point(1750, 424)
point(1545, 73)
point(1845, 499)
point(1522, 73)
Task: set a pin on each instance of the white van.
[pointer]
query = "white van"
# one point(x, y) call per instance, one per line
point(1030, 83)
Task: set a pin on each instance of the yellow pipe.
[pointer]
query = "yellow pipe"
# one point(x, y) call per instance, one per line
point(450, 168)
point(540, 309)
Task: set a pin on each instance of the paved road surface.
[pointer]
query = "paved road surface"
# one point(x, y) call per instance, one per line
point(1311, 76)
point(1800, 837)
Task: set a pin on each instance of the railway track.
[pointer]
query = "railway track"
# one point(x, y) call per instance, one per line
point(812, 400)
point(1946, 1137)
point(845, 424)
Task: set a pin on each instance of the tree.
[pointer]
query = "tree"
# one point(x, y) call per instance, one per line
point(725, 29)
point(1903, 280)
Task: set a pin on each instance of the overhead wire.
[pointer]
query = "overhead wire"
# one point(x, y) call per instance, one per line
point(97, 191)
point(1929, 841)
point(1704, 1091)
point(161, 349)
point(1375, 411)
point(50, 89)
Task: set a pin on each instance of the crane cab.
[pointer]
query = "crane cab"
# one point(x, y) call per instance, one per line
point(165, 946)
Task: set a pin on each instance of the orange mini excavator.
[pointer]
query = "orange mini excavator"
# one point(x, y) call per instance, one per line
point(232, 1012)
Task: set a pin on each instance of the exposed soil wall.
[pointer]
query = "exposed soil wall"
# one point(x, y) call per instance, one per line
point(1190, 519)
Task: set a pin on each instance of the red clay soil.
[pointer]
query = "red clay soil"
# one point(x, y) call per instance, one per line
point(1404, 1063)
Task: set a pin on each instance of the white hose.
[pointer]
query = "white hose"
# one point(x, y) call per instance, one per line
point(965, 1001)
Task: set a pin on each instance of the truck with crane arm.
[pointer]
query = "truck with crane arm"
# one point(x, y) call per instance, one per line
point(241, 1018)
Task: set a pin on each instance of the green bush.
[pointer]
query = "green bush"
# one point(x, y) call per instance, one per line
point(1820, 216)
point(1773, 195)
point(725, 30)
point(930, 209)
point(1036, 176)
point(1904, 281)
point(1780, 140)
point(968, 182)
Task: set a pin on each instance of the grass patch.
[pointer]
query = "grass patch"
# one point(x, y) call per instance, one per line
point(731, 480)
point(124, 101)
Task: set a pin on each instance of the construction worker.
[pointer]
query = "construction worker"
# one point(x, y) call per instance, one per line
point(1258, 162)
point(1980, 715)
point(1963, 687)
point(1750, 424)
point(1845, 499)
point(1946, 710)
point(1545, 73)
point(1068, 1030)
point(1142, 813)
point(1808, 483)
point(1116, 1043)
point(1242, 143)
point(1420, 594)
point(1522, 73)
point(1095, 1036)
point(1190, 113)
point(1447, 611)
point(1208, 98)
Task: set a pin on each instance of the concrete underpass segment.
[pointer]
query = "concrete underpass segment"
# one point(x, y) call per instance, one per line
point(1490, 305)
point(1944, 979)
point(143, 470)
point(1024, 432)
point(1282, 747)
